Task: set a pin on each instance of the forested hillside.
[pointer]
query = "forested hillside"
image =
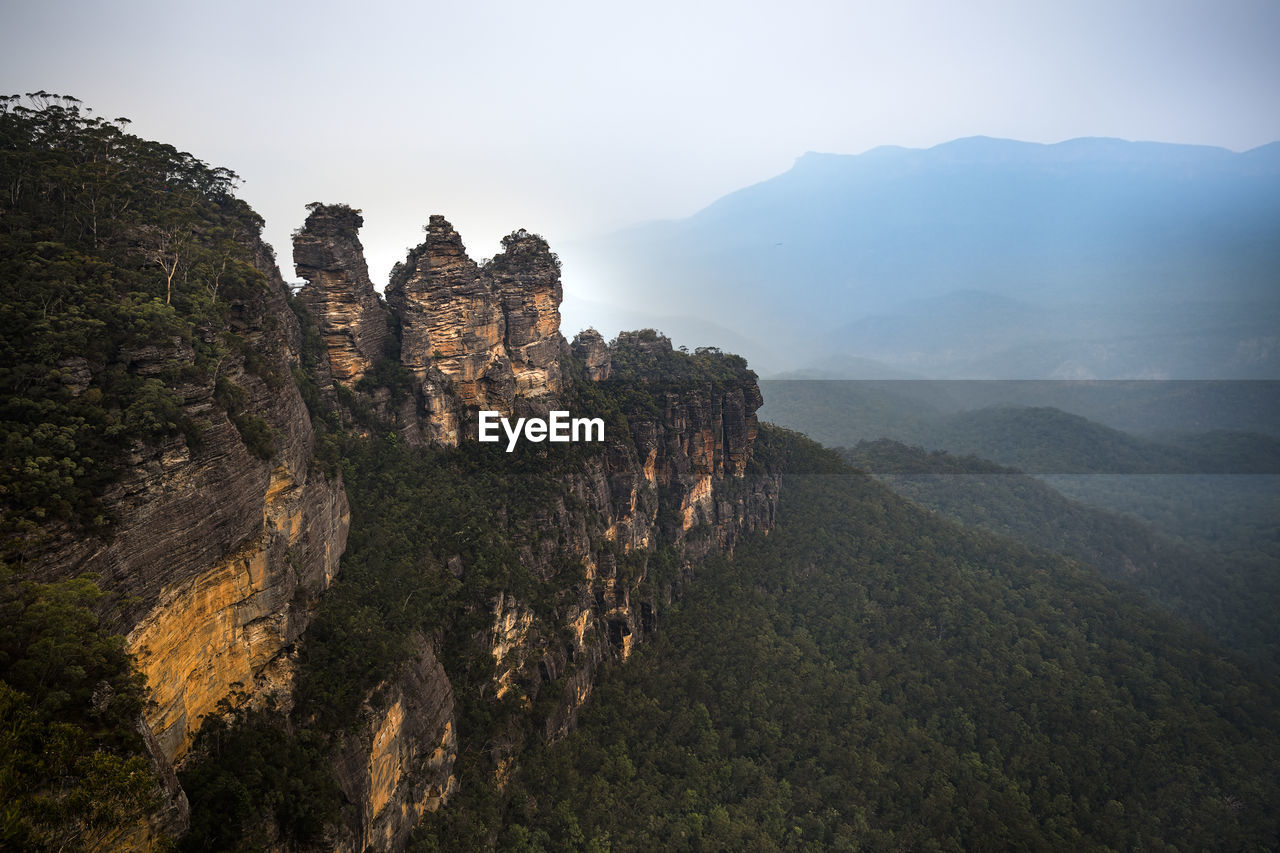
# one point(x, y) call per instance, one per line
point(1230, 591)
point(260, 778)
point(870, 676)
point(1200, 475)
point(1048, 427)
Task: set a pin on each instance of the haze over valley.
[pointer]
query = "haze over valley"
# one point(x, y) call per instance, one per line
point(978, 258)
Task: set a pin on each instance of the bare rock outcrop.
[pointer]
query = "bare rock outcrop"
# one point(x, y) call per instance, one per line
point(477, 337)
point(339, 294)
point(399, 765)
point(525, 276)
point(590, 348)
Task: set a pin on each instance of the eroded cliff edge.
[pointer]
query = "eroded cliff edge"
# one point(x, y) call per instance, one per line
point(224, 535)
point(596, 553)
point(227, 534)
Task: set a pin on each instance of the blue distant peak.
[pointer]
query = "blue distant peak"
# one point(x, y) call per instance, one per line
point(1100, 150)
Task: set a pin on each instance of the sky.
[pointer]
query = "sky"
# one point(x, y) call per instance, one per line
point(575, 118)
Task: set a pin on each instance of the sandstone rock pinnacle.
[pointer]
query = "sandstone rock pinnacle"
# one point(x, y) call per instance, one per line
point(526, 278)
point(589, 345)
point(339, 295)
point(488, 334)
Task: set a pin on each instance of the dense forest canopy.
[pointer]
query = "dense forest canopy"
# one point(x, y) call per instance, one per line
point(870, 677)
point(1228, 585)
point(111, 246)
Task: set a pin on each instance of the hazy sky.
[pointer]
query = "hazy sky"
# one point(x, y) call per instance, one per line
point(571, 118)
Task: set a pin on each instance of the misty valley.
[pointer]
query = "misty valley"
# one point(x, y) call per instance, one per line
point(344, 566)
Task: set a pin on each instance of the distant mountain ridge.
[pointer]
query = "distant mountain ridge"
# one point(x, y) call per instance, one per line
point(1103, 259)
point(1227, 593)
point(1038, 433)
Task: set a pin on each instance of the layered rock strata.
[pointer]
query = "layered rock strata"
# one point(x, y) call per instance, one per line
point(224, 631)
point(399, 765)
point(525, 277)
point(235, 550)
point(338, 294)
point(216, 555)
point(477, 337)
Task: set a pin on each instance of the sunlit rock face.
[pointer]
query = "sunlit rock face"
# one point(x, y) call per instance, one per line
point(220, 555)
point(223, 633)
point(450, 318)
point(399, 765)
point(525, 277)
point(338, 294)
point(477, 337)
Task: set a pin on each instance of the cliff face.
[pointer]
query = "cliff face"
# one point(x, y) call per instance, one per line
point(217, 554)
point(525, 277)
point(672, 487)
point(226, 552)
point(399, 765)
point(676, 488)
point(165, 342)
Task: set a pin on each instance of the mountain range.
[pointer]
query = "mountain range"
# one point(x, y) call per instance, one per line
point(980, 258)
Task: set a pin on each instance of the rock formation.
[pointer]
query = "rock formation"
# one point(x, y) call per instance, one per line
point(338, 293)
point(488, 337)
point(223, 546)
point(590, 348)
point(477, 337)
point(233, 549)
point(525, 277)
point(176, 445)
point(679, 478)
point(216, 556)
point(400, 765)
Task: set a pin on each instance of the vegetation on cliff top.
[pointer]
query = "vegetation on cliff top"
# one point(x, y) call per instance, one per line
point(121, 263)
point(646, 357)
